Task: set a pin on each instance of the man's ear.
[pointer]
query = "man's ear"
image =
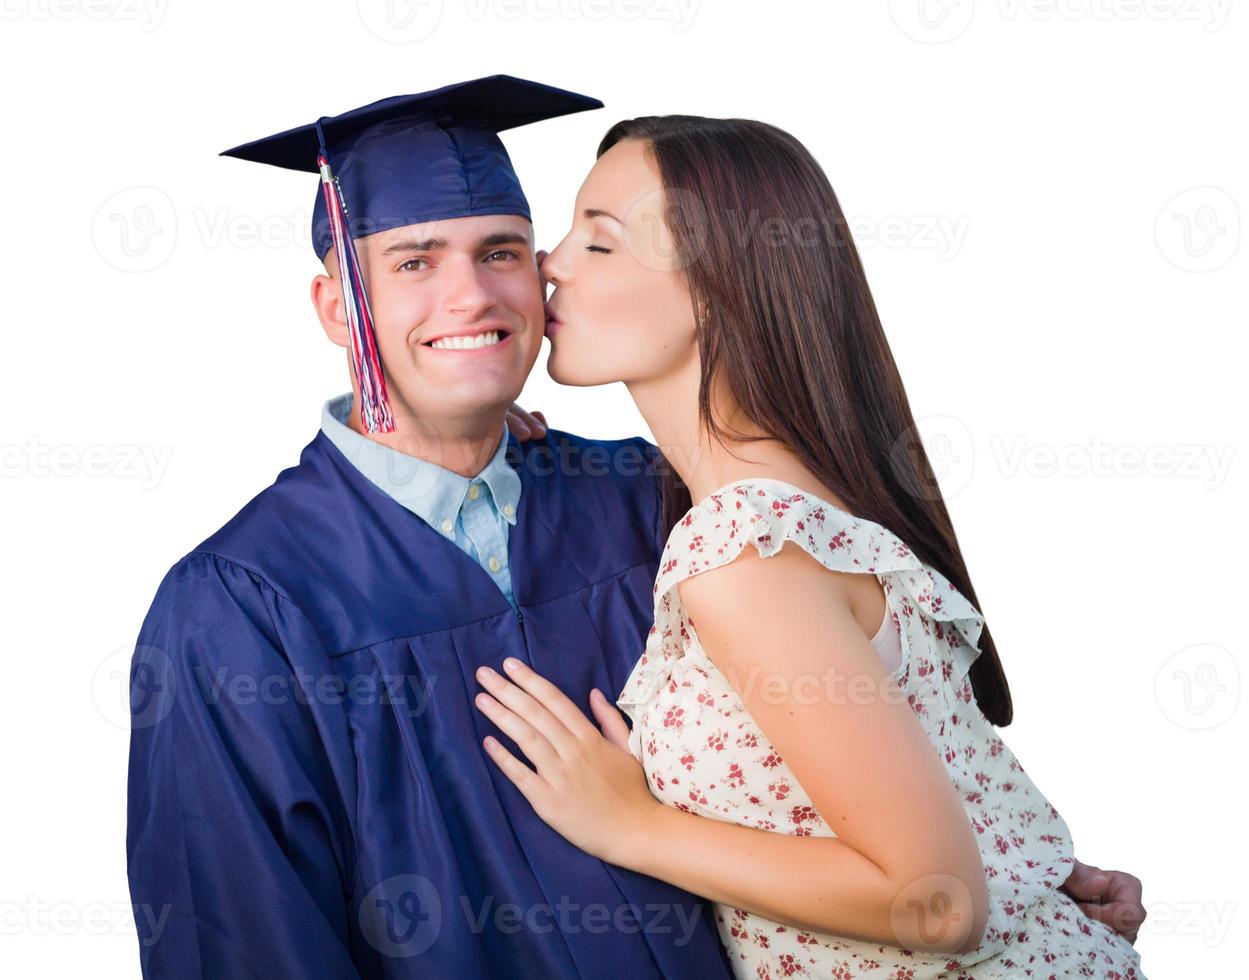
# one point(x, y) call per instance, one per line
point(327, 300)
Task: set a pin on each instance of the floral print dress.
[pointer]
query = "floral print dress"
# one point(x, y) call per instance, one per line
point(704, 753)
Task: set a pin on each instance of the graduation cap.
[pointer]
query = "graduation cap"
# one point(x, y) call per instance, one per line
point(402, 161)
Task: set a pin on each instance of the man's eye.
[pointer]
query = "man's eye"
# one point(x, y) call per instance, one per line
point(505, 253)
point(409, 266)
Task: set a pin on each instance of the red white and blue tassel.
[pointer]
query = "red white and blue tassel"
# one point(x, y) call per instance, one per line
point(375, 413)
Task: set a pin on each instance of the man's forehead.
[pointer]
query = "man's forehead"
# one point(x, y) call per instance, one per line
point(466, 232)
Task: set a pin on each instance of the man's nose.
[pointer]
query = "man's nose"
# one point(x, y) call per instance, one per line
point(466, 292)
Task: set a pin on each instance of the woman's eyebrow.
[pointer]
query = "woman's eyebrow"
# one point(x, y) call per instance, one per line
point(600, 213)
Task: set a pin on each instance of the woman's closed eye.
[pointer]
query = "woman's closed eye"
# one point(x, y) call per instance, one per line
point(598, 248)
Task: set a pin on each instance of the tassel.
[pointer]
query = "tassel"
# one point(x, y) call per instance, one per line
point(375, 413)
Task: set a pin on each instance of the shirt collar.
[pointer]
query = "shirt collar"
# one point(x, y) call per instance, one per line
point(432, 492)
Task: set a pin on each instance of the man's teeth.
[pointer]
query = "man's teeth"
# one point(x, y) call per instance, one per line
point(467, 343)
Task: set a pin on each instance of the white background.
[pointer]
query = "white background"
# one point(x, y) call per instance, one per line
point(1049, 200)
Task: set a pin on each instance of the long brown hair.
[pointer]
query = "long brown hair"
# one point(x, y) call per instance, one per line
point(792, 331)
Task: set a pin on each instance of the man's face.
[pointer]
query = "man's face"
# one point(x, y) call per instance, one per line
point(457, 310)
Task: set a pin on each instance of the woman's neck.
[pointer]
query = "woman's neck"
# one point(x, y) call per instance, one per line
point(670, 407)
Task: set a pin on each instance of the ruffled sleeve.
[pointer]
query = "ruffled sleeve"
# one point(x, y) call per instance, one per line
point(767, 514)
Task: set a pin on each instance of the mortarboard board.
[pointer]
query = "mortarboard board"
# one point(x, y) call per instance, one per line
point(406, 160)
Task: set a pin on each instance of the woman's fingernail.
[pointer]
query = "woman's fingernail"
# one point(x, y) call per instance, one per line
point(511, 663)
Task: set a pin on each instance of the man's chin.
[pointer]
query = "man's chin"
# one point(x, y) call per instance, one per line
point(460, 407)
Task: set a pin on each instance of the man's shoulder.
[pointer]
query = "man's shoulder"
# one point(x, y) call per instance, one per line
point(279, 522)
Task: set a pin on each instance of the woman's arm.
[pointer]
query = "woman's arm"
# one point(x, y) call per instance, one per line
point(904, 868)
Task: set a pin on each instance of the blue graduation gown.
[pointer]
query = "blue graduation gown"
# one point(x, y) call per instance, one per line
point(308, 792)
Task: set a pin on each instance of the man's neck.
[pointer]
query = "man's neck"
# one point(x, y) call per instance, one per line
point(462, 445)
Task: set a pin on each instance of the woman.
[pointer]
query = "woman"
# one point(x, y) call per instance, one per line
point(818, 757)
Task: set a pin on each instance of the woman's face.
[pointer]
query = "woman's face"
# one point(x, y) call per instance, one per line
point(621, 310)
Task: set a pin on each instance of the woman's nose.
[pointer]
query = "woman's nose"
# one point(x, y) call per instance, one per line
point(546, 269)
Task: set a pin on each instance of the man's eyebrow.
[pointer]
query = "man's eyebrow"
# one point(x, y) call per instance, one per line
point(434, 244)
point(412, 245)
point(600, 213)
point(503, 238)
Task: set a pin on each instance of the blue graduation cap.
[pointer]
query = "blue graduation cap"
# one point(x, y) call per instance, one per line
point(407, 160)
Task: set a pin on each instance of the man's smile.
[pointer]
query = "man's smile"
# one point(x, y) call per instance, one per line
point(469, 339)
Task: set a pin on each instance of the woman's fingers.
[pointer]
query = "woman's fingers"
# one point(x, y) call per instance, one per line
point(525, 425)
point(530, 740)
point(610, 720)
point(536, 711)
point(550, 697)
point(531, 785)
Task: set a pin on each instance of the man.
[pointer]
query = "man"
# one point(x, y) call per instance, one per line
point(308, 792)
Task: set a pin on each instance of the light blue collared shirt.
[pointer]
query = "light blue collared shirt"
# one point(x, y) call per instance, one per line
point(474, 512)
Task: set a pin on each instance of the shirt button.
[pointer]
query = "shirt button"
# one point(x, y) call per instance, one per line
point(474, 491)
point(494, 564)
point(509, 510)
point(447, 526)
